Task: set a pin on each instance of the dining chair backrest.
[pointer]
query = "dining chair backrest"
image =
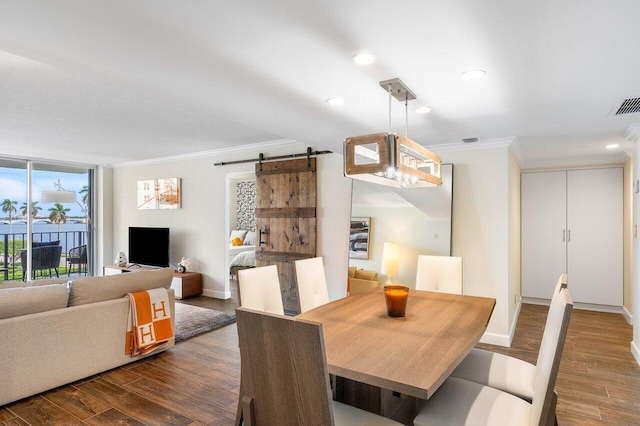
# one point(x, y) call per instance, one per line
point(312, 284)
point(555, 333)
point(439, 273)
point(259, 289)
point(285, 378)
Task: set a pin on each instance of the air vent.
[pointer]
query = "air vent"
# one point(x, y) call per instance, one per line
point(470, 140)
point(626, 106)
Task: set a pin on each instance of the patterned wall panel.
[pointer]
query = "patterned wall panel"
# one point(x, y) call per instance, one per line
point(246, 205)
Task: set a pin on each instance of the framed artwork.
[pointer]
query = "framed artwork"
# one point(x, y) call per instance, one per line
point(359, 238)
point(162, 193)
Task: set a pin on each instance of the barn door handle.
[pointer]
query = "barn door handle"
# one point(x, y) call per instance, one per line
point(265, 232)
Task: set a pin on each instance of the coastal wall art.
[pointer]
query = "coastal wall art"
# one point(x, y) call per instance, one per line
point(164, 193)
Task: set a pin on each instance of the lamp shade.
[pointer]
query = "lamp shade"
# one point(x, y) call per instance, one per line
point(59, 196)
point(390, 258)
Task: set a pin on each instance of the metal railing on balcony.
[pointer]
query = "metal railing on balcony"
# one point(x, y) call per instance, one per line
point(11, 246)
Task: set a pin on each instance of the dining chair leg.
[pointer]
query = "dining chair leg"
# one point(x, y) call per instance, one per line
point(239, 411)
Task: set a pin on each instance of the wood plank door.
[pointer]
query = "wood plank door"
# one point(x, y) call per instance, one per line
point(286, 220)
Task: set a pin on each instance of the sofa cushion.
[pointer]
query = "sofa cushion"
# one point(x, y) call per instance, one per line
point(97, 289)
point(19, 301)
point(352, 271)
point(48, 281)
point(45, 243)
point(364, 274)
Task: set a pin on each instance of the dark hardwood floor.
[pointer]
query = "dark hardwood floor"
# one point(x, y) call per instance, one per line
point(197, 381)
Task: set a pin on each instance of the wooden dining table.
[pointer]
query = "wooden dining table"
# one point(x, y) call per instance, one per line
point(411, 355)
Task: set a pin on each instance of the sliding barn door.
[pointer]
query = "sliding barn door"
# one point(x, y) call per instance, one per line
point(286, 220)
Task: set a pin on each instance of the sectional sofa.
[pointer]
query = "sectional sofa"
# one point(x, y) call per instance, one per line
point(54, 332)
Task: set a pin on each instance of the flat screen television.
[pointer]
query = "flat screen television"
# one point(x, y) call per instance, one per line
point(149, 246)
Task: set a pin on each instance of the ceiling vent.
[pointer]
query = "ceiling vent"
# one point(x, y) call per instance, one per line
point(470, 140)
point(626, 106)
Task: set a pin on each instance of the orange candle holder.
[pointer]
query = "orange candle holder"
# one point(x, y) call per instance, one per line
point(396, 298)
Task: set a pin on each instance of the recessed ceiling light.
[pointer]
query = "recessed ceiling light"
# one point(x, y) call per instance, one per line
point(423, 109)
point(364, 58)
point(335, 101)
point(472, 74)
point(612, 146)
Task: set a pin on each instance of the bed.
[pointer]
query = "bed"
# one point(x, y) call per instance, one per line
point(242, 256)
point(243, 260)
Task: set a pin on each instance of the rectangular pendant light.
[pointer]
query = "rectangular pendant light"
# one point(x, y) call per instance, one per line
point(391, 160)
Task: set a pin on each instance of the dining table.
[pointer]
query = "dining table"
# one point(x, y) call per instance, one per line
point(411, 355)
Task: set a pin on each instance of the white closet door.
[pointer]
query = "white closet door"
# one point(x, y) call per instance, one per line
point(594, 201)
point(543, 225)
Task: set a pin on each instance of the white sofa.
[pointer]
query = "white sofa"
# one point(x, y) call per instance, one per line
point(53, 332)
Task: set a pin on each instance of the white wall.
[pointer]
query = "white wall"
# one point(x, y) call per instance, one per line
point(198, 229)
point(635, 344)
point(627, 294)
point(484, 232)
point(515, 255)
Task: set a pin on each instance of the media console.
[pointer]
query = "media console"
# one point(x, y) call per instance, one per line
point(185, 284)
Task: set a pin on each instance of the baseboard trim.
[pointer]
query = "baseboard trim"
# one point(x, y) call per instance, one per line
point(217, 294)
point(496, 339)
point(635, 351)
point(627, 315)
point(514, 322)
point(577, 305)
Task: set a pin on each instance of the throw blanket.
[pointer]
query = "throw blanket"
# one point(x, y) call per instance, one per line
point(149, 324)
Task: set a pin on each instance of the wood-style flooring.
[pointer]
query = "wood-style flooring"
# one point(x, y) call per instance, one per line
point(196, 382)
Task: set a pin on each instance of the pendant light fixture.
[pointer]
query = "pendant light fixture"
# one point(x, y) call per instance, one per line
point(392, 159)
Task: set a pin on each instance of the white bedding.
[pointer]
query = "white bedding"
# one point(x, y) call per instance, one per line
point(235, 250)
point(246, 258)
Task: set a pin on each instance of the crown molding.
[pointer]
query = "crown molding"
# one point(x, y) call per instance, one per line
point(592, 161)
point(210, 153)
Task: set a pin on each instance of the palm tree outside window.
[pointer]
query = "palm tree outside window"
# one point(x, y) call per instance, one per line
point(9, 206)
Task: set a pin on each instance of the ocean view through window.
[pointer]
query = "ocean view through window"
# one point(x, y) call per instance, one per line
point(52, 228)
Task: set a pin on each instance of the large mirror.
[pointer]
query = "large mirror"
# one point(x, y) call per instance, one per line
point(418, 219)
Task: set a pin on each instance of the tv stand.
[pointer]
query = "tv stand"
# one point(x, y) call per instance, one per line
point(186, 284)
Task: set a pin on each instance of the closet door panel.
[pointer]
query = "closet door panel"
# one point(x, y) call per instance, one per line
point(594, 200)
point(543, 222)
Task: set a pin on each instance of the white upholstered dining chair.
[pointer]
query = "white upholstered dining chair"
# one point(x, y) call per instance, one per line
point(312, 284)
point(259, 289)
point(284, 375)
point(439, 273)
point(462, 402)
point(504, 372)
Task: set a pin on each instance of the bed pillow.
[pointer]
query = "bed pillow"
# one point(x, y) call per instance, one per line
point(250, 239)
point(238, 233)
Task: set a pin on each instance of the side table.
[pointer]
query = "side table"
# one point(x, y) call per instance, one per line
point(187, 284)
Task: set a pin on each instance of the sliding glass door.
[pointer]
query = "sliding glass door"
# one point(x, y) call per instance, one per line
point(46, 226)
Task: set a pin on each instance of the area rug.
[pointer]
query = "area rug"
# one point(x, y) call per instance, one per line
point(193, 320)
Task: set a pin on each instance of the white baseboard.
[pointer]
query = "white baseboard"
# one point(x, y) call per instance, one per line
point(217, 294)
point(512, 329)
point(503, 339)
point(577, 305)
point(627, 315)
point(496, 339)
point(635, 351)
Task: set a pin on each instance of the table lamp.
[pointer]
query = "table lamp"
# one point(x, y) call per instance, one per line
point(390, 259)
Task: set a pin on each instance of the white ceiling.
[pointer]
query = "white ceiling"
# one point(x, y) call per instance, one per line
point(120, 81)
